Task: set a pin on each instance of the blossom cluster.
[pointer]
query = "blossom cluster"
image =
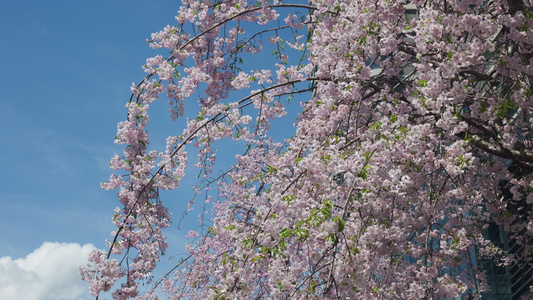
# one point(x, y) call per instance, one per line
point(414, 135)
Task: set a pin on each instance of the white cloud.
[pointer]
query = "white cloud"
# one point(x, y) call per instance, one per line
point(49, 272)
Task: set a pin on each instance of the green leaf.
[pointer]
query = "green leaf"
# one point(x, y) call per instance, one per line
point(285, 233)
point(332, 238)
point(289, 198)
point(341, 225)
point(367, 156)
point(422, 82)
point(282, 245)
point(301, 234)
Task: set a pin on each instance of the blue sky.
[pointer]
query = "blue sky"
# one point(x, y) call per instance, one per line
point(67, 68)
point(66, 71)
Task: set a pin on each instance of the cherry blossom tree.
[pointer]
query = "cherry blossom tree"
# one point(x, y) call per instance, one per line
point(414, 133)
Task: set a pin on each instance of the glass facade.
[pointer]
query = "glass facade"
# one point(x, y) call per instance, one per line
point(497, 276)
point(506, 282)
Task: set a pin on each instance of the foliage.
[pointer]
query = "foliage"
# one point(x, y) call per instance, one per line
point(415, 134)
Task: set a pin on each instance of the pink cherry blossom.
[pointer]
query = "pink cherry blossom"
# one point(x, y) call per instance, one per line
point(413, 136)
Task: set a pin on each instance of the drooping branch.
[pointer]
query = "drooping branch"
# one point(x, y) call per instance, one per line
point(217, 118)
